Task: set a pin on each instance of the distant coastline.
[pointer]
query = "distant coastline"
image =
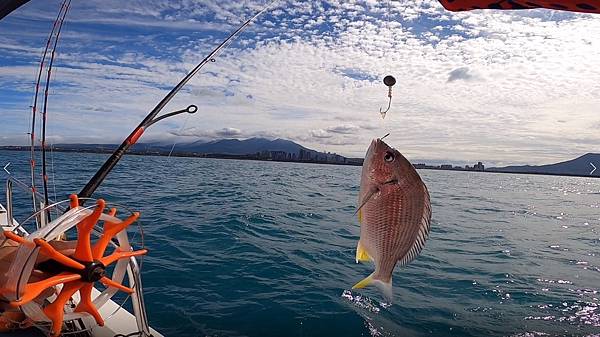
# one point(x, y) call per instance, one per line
point(303, 156)
point(266, 156)
point(184, 154)
point(257, 157)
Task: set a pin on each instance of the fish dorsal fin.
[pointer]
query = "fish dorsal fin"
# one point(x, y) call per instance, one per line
point(422, 234)
point(359, 215)
point(361, 254)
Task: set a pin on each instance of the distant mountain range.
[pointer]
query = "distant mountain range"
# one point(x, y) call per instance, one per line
point(252, 148)
point(233, 146)
point(222, 146)
point(580, 166)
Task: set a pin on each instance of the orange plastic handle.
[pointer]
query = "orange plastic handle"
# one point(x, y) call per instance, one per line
point(110, 230)
point(16, 238)
point(33, 290)
point(83, 250)
point(56, 310)
point(49, 251)
point(74, 201)
point(121, 255)
point(110, 283)
point(86, 304)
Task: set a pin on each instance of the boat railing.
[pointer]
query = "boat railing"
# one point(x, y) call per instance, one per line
point(11, 182)
point(137, 298)
point(9, 208)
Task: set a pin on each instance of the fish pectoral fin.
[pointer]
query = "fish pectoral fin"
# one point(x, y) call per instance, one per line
point(366, 198)
point(361, 254)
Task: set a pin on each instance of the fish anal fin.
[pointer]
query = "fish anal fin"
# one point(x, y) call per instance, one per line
point(361, 254)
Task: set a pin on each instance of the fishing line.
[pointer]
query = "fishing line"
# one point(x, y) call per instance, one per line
point(389, 12)
point(213, 60)
point(180, 131)
point(389, 80)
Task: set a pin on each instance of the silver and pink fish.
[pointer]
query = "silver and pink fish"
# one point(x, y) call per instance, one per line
point(394, 212)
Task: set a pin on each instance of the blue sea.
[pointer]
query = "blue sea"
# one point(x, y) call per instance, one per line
point(248, 248)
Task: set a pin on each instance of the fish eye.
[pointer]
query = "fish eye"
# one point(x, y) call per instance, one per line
point(389, 157)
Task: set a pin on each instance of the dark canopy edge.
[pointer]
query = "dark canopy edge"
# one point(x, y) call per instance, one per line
point(7, 6)
point(584, 6)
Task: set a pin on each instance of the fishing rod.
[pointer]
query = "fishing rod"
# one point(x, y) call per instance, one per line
point(45, 107)
point(151, 118)
point(34, 109)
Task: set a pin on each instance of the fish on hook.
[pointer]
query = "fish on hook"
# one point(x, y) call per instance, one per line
point(394, 211)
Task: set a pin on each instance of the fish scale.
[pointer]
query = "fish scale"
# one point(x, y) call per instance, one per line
point(394, 212)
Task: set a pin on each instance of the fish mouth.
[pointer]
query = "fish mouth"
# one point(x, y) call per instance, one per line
point(390, 182)
point(371, 150)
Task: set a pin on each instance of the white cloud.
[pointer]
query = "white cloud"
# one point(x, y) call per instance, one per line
point(343, 129)
point(320, 133)
point(311, 71)
point(209, 134)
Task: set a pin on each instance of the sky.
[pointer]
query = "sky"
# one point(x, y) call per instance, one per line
point(502, 87)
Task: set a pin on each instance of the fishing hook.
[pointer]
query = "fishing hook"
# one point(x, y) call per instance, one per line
point(389, 80)
point(381, 111)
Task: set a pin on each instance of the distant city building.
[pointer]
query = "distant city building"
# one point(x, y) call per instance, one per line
point(278, 155)
point(301, 154)
point(446, 167)
point(355, 161)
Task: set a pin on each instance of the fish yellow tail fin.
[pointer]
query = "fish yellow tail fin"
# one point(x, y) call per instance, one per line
point(384, 287)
